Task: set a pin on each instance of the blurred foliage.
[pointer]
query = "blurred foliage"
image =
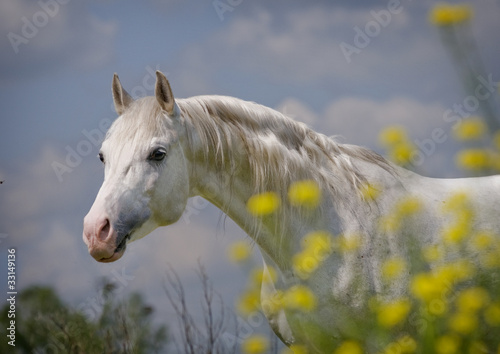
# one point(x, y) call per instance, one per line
point(44, 324)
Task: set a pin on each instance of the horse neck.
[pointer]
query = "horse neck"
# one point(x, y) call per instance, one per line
point(229, 188)
point(225, 177)
point(230, 183)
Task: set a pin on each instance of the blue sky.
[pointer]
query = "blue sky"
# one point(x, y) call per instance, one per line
point(55, 92)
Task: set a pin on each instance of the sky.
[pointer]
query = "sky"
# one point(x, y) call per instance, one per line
point(56, 64)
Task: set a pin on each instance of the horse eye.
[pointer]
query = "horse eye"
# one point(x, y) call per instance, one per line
point(101, 157)
point(157, 155)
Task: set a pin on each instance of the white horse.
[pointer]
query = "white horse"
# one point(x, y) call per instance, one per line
point(162, 151)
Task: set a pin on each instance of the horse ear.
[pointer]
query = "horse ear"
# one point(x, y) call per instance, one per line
point(121, 98)
point(164, 94)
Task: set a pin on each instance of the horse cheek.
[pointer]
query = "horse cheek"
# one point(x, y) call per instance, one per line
point(170, 198)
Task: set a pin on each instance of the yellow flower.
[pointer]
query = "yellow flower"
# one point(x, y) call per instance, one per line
point(404, 208)
point(392, 136)
point(457, 202)
point(304, 193)
point(427, 287)
point(402, 153)
point(255, 344)
point(408, 206)
point(349, 347)
point(263, 204)
point(393, 313)
point(455, 233)
point(482, 241)
point(444, 14)
point(370, 191)
point(319, 243)
point(408, 344)
point(304, 264)
point(432, 253)
point(239, 251)
point(472, 299)
point(447, 344)
point(438, 307)
point(454, 272)
point(470, 129)
point(463, 323)
point(299, 297)
point(400, 148)
point(492, 314)
point(473, 159)
point(393, 268)
point(349, 243)
point(317, 246)
point(249, 302)
point(257, 275)
point(405, 344)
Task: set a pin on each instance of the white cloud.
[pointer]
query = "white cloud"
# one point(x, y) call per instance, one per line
point(360, 119)
point(303, 45)
point(297, 110)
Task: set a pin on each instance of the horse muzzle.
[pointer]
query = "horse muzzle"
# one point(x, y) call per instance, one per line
point(103, 242)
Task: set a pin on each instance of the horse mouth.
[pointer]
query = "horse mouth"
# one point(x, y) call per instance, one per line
point(119, 251)
point(123, 244)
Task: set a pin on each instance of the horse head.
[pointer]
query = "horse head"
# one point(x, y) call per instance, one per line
point(146, 182)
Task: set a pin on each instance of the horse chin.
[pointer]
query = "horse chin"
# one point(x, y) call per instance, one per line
point(116, 256)
point(119, 251)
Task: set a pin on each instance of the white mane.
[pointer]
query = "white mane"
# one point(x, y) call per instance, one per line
point(279, 149)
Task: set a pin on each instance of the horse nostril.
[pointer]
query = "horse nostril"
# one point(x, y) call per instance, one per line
point(104, 232)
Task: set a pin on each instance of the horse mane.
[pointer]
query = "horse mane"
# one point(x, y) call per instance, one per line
point(279, 149)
